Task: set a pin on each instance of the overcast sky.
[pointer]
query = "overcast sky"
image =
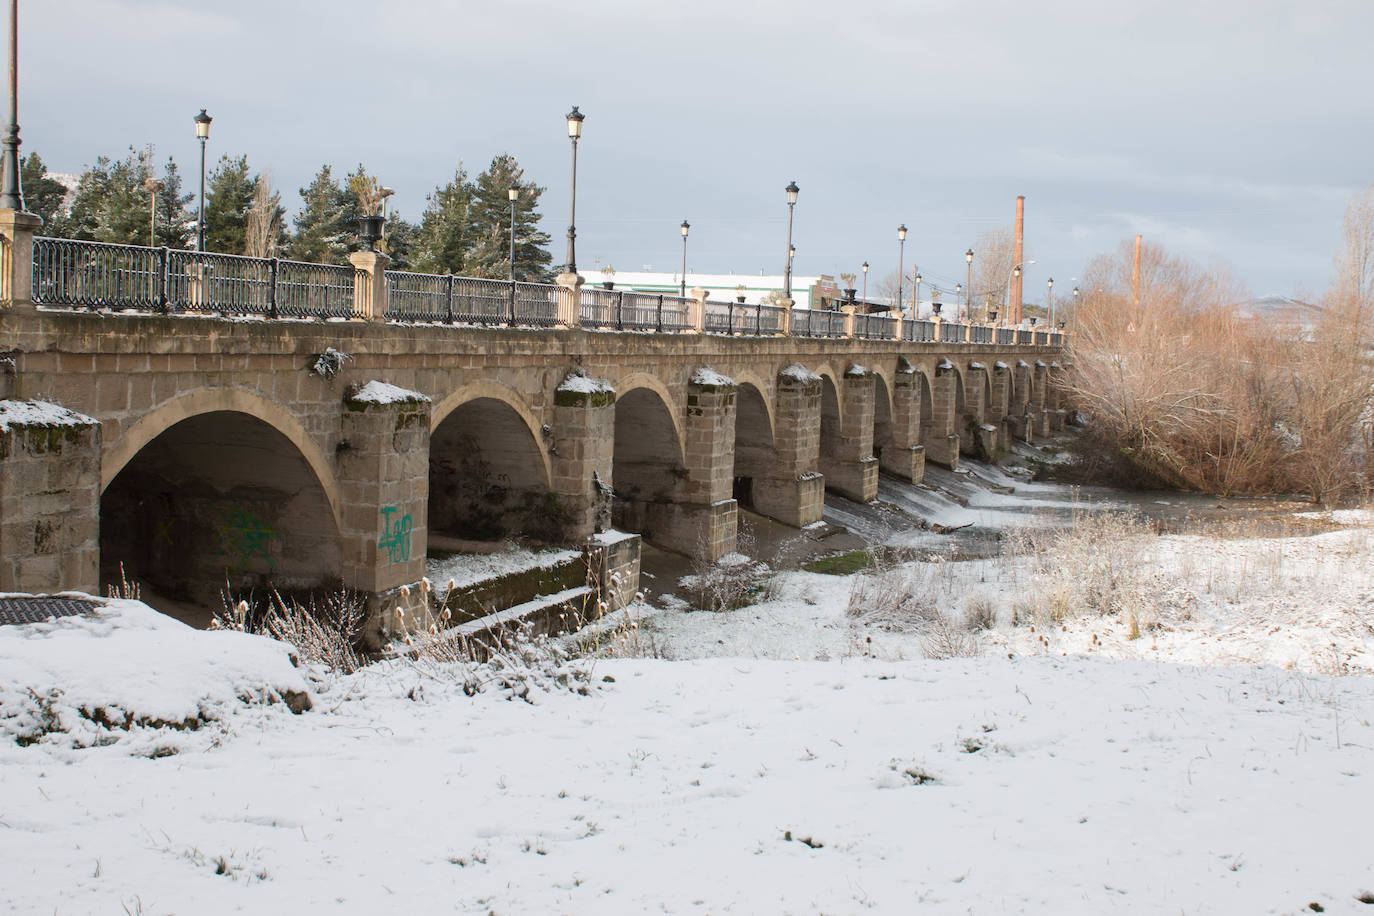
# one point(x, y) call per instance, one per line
point(1218, 128)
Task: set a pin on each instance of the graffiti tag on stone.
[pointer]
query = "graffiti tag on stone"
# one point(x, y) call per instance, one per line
point(395, 539)
point(244, 536)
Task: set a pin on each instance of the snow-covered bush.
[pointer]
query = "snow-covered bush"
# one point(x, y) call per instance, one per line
point(730, 582)
point(325, 631)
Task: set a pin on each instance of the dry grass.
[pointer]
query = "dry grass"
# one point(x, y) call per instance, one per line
point(1185, 392)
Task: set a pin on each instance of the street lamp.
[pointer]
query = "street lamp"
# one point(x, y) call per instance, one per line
point(382, 194)
point(791, 190)
point(1075, 307)
point(959, 296)
point(202, 134)
point(1049, 301)
point(685, 227)
point(11, 192)
point(864, 268)
point(154, 186)
point(513, 194)
point(575, 119)
point(968, 256)
point(916, 301)
point(901, 267)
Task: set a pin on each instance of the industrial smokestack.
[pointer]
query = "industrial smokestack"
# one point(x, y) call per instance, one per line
point(1017, 256)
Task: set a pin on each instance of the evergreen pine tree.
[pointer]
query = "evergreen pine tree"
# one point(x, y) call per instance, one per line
point(111, 203)
point(175, 226)
point(322, 236)
point(228, 196)
point(42, 195)
point(399, 242)
point(445, 232)
point(490, 256)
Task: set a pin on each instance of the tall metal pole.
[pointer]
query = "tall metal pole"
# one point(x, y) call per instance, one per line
point(513, 194)
point(916, 300)
point(865, 270)
point(968, 296)
point(574, 119)
point(685, 226)
point(572, 215)
point(901, 267)
point(11, 193)
point(787, 272)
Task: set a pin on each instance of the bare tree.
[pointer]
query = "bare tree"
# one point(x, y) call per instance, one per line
point(993, 256)
point(265, 215)
point(1353, 284)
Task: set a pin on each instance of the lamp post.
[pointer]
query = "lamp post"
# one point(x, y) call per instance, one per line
point(864, 268)
point(901, 267)
point(968, 256)
point(959, 297)
point(916, 300)
point(383, 193)
point(154, 186)
point(1049, 301)
point(202, 134)
point(1075, 307)
point(575, 119)
point(791, 190)
point(513, 194)
point(686, 226)
point(11, 192)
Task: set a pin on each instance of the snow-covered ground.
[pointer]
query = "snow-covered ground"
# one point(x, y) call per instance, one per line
point(1185, 751)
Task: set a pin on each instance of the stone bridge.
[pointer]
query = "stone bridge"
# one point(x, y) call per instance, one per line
point(303, 453)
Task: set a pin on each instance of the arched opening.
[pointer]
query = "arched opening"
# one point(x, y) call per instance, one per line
point(647, 459)
point(220, 498)
point(830, 418)
point(487, 477)
point(927, 419)
point(882, 416)
point(755, 455)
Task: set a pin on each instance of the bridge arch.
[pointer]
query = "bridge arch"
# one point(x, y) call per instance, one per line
point(644, 380)
point(756, 454)
point(647, 469)
point(489, 470)
point(215, 497)
point(882, 414)
point(927, 419)
point(120, 452)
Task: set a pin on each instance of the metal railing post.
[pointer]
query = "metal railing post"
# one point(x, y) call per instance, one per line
point(163, 256)
point(512, 303)
point(272, 288)
point(449, 312)
point(620, 311)
point(659, 316)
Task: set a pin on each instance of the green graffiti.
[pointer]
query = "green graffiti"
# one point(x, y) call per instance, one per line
point(244, 536)
point(395, 539)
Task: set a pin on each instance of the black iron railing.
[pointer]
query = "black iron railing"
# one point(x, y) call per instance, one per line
point(102, 276)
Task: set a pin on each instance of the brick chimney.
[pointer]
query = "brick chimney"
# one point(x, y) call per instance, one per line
point(1017, 258)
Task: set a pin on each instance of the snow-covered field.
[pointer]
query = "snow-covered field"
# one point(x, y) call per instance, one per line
point(1188, 751)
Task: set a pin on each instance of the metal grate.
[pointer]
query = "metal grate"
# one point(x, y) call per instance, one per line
point(39, 609)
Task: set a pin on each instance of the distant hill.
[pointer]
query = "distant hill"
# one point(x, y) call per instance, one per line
point(1281, 310)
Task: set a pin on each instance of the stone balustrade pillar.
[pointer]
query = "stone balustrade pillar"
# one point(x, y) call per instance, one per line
point(369, 284)
point(17, 229)
point(697, 317)
point(848, 311)
point(570, 299)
